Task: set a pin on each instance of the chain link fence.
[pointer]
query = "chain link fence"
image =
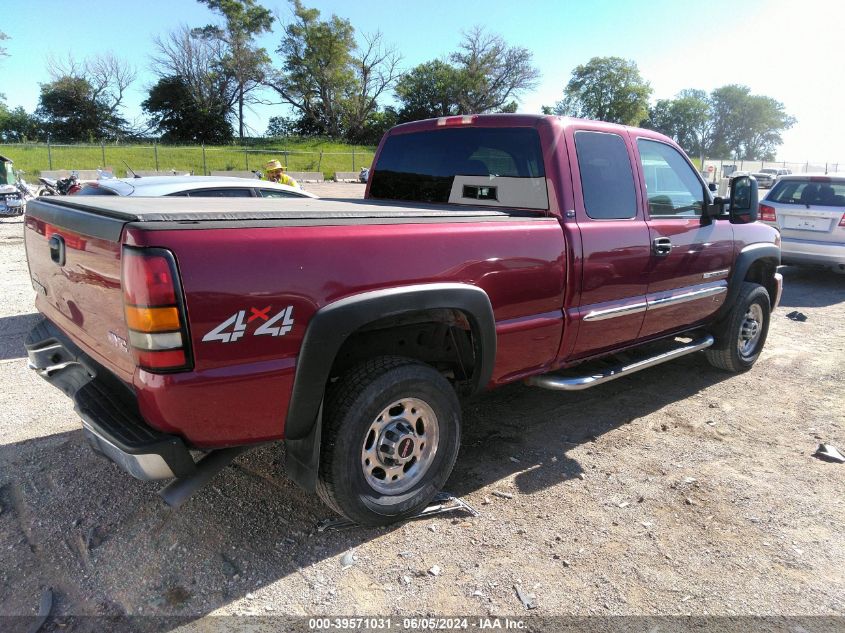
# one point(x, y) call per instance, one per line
point(33, 158)
point(716, 168)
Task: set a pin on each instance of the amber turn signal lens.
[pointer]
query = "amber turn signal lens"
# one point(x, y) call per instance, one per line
point(152, 319)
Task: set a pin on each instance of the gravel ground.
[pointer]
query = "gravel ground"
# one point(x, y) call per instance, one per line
point(679, 490)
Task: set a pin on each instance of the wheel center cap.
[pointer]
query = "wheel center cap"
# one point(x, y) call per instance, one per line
point(405, 448)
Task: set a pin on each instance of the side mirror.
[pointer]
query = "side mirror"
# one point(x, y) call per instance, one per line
point(744, 200)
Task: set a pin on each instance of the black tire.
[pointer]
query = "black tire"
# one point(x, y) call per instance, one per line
point(353, 405)
point(727, 352)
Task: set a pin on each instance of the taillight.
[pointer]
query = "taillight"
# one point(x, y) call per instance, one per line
point(465, 119)
point(842, 220)
point(154, 310)
point(767, 213)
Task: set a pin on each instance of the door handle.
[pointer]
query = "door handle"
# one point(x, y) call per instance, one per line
point(661, 246)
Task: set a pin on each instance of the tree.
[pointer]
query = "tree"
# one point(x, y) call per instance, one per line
point(485, 75)
point(197, 61)
point(17, 126)
point(70, 111)
point(332, 82)
point(242, 60)
point(687, 119)
point(429, 90)
point(492, 74)
point(747, 126)
point(3, 51)
point(107, 75)
point(176, 115)
point(606, 88)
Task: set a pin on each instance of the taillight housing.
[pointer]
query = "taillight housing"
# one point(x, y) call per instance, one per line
point(842, 220)
point(154, 309)
point(767, 213)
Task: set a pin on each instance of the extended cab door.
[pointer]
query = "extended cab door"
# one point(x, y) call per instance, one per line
point(690, 262)
point(614, 238)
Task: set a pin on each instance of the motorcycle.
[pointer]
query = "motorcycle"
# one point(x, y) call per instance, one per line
point(61, 187)
point(12, 201)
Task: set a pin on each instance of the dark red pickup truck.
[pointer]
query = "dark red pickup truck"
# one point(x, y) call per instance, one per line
point(489, 249)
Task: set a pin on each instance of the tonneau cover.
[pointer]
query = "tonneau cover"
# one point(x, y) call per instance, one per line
point(179, 209)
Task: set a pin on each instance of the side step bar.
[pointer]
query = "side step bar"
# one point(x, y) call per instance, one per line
point(578, 383)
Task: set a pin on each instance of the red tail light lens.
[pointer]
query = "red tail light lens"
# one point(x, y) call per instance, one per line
point(154, 310)
point(767, 213)
point(465, 119)
point(842, 220)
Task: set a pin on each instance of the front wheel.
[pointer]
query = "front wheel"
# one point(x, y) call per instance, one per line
point(391, 432)
point(740, 339)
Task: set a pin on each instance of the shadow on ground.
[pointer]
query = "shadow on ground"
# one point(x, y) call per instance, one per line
point(13, 333)
point(811, 287)
point(109, 547)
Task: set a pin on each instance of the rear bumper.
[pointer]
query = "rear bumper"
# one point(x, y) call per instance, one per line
point(812, 252)
point(111, 421)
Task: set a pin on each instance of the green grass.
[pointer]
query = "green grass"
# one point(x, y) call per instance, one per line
point(300, 155)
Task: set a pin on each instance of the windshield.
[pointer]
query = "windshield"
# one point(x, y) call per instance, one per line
point(822, 192)
point(465, 165)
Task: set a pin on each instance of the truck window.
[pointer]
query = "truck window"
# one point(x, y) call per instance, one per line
point(672, 187)
point(423, 166)
point(607, 180)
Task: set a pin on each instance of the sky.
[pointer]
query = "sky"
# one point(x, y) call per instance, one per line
point(783, 49)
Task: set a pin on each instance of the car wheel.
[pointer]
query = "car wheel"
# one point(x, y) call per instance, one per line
point(391, 432)
point(741, 337)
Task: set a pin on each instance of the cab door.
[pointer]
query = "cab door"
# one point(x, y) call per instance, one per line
point(690, 262)
point(614, 238)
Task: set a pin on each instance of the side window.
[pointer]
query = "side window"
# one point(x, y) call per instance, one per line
point(607, 179)
point(221, 193)
point(671, 184)
point(277, 193)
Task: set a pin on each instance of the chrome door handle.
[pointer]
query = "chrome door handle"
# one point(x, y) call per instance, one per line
point(661, 246)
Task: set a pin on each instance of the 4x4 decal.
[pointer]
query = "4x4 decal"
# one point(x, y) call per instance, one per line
point(278, 325)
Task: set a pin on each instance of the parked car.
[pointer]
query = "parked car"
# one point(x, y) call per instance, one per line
point(489, 249)
point(809, 212)
point(776, 173)
point(192, 186)
point(765, 179)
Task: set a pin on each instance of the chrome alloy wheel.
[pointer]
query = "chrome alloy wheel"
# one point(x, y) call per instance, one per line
point(400, 446)
point(750, 330)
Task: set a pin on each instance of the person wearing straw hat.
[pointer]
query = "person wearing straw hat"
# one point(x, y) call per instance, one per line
point(274, 171)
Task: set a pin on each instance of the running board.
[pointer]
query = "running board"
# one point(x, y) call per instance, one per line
point(578, 383)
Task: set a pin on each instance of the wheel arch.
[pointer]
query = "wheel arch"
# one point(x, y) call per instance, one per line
point(333, 324)
point(757, 263)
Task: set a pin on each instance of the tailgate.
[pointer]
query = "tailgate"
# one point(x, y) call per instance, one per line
point(817, 223)
point(74, 263)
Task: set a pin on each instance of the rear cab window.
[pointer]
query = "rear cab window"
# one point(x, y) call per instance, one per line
point(819, 192)
point(607, 179)
point(499, 167)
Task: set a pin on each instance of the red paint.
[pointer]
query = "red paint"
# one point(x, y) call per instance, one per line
point(543, 276)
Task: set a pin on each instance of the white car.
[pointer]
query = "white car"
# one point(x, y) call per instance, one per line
point(809, 212)
point(193, 186)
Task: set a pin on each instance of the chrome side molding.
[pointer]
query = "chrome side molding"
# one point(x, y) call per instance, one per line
point(579, 383)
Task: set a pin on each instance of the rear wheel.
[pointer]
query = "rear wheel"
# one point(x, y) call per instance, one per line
point(741, 337)
point(391, 432)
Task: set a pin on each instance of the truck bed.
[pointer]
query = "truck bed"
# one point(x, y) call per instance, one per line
point(179, 209)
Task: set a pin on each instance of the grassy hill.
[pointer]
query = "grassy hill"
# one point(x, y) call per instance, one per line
point(299, 154)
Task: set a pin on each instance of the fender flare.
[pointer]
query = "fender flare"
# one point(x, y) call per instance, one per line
point(747, 256)
point(332, 325)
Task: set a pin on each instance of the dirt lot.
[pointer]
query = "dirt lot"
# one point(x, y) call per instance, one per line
point(680, 490)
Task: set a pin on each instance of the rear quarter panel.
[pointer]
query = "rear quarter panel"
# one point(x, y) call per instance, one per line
point(518, 262)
